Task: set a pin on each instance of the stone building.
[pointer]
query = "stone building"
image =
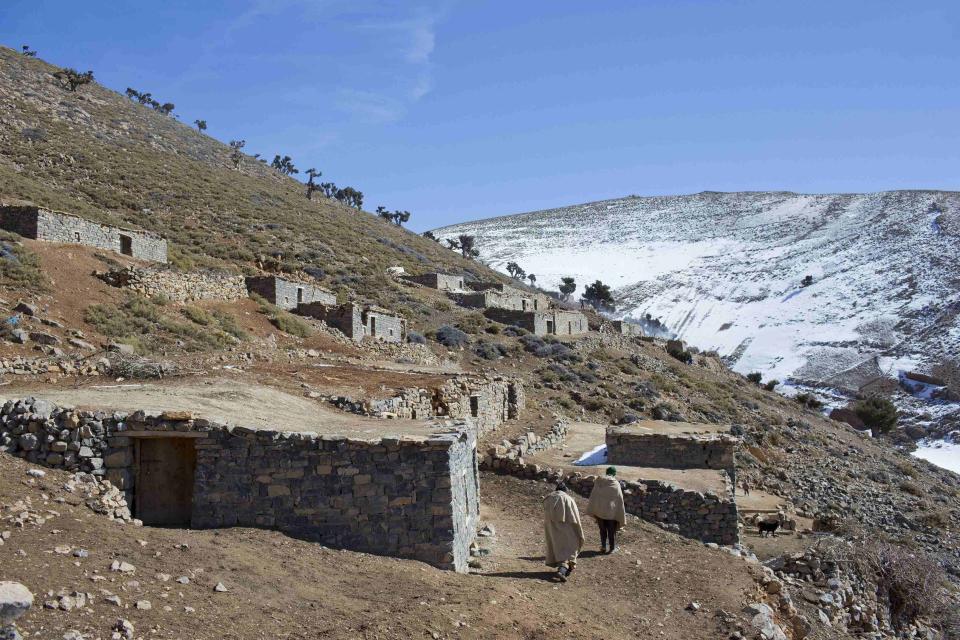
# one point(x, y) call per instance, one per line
point(496, 295)
point(489, 402)
point(287, 294)
point(626, 328)
point(38, 223)
point(411, 494)
point(555, 322)
point(441, 281)
point(671, 445)
point(358, 321)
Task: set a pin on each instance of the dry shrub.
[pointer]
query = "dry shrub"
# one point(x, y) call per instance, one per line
point(915, 587)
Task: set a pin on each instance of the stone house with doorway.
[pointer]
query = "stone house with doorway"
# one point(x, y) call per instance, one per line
point(358, 321)
point(37, 223)
point(439, 281)
point(287, 294)
point(555, 322)
point(412, 492)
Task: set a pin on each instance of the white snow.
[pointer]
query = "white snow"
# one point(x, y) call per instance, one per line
point(597, 455)
point(941, 453)
point(723, 271)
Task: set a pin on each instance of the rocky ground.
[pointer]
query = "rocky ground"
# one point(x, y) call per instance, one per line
point(87, 572)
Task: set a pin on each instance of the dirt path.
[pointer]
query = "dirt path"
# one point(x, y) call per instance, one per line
point(283, 588)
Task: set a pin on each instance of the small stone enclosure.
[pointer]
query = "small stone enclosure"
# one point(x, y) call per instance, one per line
point(412, 496)
point(38, 223)
point(441, 281)
point(358, 321)
point(288, 294)
point(655, 443)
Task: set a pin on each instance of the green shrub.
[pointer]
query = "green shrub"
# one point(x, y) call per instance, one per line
point(198, 315)
point(771, 385)
point(141, 322)
point(229, 324)
point(878, 413)
point(755, 377)
point(20, 267)
point(282, 320)
point(808, 400)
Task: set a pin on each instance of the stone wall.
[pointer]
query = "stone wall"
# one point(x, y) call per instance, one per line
point(358, 322)
point(626, 328)
point(178, 286)
point(629, 446)
point(407, 497)
point(441, 281)
point(288, 294)
point(511, 299)
point(50, 226)
point(702, 516)
point(562, 323)
point(497, 400)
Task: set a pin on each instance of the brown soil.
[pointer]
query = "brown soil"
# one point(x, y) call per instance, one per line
point(280, 587)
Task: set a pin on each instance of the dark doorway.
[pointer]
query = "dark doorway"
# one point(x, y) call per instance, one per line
point(126, 245)
point(164, 486)
point(550, 326)
point(474, 406)
point(299, 295)
point(373, 326)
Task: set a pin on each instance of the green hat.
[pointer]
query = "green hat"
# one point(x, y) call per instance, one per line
point(611, 471)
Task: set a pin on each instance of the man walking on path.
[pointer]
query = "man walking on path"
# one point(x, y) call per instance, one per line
point(606, 506)
point(562, 531)
point(746, 487)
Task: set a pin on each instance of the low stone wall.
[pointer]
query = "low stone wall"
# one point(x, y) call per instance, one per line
point(178, 286)
point(672, 451)
point(692, 514)
point(406, 497)
point(20, 366)
point(489, 402)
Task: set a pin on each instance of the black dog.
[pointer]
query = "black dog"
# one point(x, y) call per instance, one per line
point(768, 527)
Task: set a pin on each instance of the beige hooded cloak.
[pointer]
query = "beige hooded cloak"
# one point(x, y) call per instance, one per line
point(561, 528)
point(606, 500)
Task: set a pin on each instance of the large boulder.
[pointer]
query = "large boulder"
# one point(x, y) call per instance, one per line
point(15, 600)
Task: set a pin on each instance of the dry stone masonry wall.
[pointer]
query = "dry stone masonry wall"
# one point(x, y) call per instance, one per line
point(178, 286)
point(628, 446)
point(52, 226)
point(488, 402)
point(702, 516)
point(406, 497)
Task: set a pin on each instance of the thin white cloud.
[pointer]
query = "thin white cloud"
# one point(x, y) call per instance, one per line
point(370, 106)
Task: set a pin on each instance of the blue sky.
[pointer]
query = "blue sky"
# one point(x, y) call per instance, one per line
point(463, 110)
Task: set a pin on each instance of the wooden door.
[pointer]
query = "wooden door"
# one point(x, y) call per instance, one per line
point(164, 488)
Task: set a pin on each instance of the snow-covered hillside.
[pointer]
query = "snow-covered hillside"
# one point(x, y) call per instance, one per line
point(724, 271)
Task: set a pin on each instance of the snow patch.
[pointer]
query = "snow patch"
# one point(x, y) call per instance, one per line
point(596, 456)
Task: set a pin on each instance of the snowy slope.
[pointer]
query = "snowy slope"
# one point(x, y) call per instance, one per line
point(723, 271)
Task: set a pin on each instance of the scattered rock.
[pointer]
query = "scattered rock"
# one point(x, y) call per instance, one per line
point(144, 605)
point(122, 567)
point(220, 587)
point(123, 629)
point(36, 473)
point(183, 580)
point(26, 309)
